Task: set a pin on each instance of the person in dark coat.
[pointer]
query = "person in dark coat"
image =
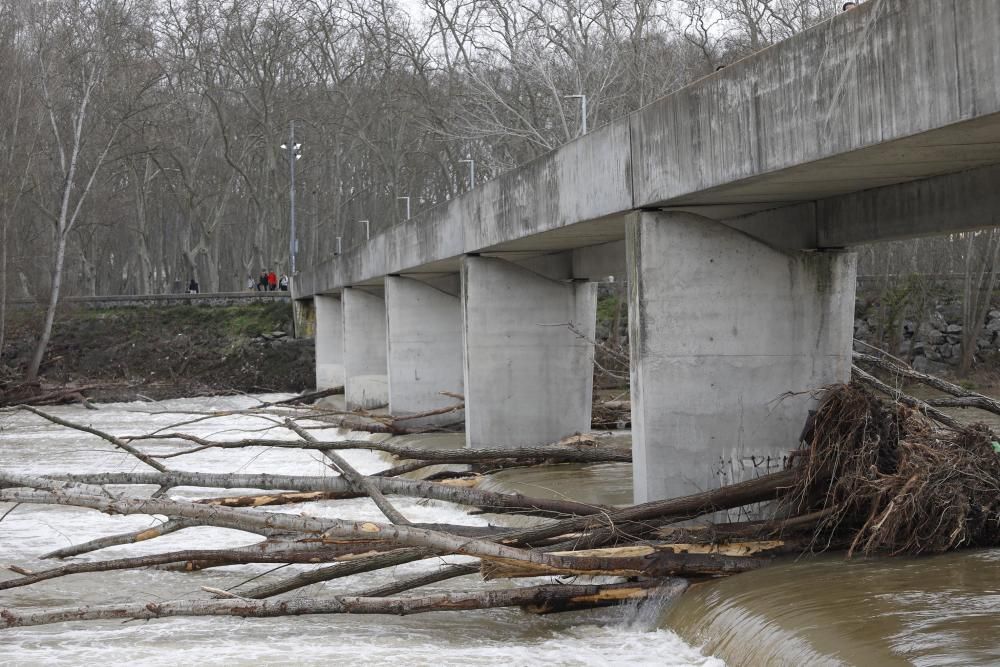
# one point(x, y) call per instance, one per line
point(262, 281)
point(193, 286)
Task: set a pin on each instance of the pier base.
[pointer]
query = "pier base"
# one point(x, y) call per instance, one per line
point(528, 359)
point(425, 350)
point(366, 383)
point(727, 335)
point(329, 341)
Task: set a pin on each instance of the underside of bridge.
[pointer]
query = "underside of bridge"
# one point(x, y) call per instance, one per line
point(729, 207)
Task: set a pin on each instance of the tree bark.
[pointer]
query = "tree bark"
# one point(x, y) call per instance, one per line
point(540, 599)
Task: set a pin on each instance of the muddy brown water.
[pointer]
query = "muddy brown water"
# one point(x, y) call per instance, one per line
point(821, 610)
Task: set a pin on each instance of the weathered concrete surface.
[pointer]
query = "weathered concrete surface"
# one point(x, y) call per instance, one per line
point(963, 201)
point(551, 192)
point(425, 349)
point(329, 341)
point(875, 96)
point(528, 376)
point(721, 328)
point(366, 382)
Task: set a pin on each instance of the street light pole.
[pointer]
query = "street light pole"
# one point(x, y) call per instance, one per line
point(294, 153)
point(583, 111)
point(407, 206)
point(472, 171)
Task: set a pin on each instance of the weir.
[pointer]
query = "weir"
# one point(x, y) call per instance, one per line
point(729, 206)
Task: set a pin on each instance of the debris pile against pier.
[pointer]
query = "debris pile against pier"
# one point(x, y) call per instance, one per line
point(875, 475)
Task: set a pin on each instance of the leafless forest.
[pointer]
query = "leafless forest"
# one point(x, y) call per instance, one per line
point(140, 139)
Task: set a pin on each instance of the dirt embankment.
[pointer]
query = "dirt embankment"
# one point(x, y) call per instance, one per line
point(167, 352)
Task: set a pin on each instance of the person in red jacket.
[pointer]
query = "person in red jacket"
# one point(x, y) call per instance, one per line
point(272, 281)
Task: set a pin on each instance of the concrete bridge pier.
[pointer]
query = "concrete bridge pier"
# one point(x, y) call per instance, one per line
point(722, 327)
point(528, 375)
point(365, 369)
point(425, 348)
point(329, 341)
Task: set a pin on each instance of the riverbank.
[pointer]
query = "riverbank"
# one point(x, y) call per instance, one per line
point(165, 352)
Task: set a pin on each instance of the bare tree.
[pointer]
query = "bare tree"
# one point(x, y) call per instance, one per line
point(78, 50)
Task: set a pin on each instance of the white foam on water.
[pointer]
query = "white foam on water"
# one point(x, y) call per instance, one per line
point(619, 636)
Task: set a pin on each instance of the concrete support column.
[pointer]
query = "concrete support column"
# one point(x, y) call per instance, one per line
point(329, 341)
point(366, 384)
point(425, 349)
point(528, 376)
point(721, 328)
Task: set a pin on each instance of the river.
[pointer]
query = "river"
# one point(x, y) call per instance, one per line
point(926, 611)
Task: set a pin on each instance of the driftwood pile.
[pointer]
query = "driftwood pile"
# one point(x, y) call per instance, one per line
point(871, 476)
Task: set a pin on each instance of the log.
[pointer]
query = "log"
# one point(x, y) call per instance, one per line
point(488, 500)
point(196, 559)
point(125, 538)
point(309, 397)
point(541, 599)
point(610, 596)
point(114, 440)
point(331, 530)
point(634, 561)
point(356, 480)
point(909, 401)
point(764, 488)
point(550, 453)
point(330, 572)
point(966, 398)
point(273, 499)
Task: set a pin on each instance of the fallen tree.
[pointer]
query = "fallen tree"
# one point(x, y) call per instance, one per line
point(871, 476)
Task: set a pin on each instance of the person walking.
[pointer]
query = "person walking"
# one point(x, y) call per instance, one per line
point(251, 283)
point(193, 287)
point(283, 283)
point(262, 281)
point(272, 280)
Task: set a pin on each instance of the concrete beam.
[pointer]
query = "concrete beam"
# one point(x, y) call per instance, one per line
point(946, 204)
point(329, 341)
point(366, 383)
point(425, 349)
point(837, 97)
point(597, 262)
point(722, 327)
point(528, 376)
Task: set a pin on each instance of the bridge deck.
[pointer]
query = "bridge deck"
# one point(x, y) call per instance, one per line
point(892, 92)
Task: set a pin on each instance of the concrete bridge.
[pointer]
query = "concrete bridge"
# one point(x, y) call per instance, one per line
point(730, 206)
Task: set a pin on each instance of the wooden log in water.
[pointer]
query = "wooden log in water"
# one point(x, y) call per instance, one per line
point(630, 561)
point(539, 599)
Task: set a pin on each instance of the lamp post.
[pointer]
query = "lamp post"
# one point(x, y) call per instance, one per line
point(294, 153)
point(407, 199)
point(583, 111)
point(472, 171)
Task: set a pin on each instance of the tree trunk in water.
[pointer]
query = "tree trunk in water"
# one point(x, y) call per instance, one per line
point(539, 599)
